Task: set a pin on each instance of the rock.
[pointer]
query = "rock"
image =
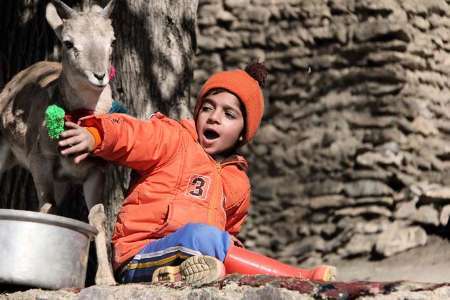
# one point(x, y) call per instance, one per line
point(303, 246)
point(225, 17)
point(405, 59)
point(371, 227)
point(208, 14)
point(219, 39)
point(209, 64)
point(364, 210)
point(237, 287)
point(326, 230)
point(328, 201)
point(394, 137)
point(366, 188)
point(235, 56)
point(427, 214)
point(358, 245)
point(379, 29)
point(339, 6)
point(326, 187)
point(397, 239)
point(283, 123)
point(374, 200)
point(324, 34)
point(260, 150)
point(367, 121)
point(268, 292)
point(236, 4)
point(289, 191)
point(435, 194)
point(258, 14)
point(291, 156)
point(424, 126)
point(311, 261)
point(384, 158)
point(425, 7)
point(264, 190)
point(445, 214)
point(376, 7)
point(378, 174)
point(269, 134)
point(405, 210)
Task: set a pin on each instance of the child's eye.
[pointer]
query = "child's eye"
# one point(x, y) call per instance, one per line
point(230, 115)
point(206, 108)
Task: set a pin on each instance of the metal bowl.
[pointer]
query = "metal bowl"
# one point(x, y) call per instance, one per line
point(43, 250)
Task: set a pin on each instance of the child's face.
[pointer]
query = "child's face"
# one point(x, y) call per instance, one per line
point(219, 122)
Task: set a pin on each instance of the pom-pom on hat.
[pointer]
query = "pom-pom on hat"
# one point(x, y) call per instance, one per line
point(246, 85)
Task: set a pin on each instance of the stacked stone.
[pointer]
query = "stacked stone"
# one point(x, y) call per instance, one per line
point(353, 156)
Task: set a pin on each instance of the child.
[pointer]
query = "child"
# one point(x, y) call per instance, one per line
point(181, 217)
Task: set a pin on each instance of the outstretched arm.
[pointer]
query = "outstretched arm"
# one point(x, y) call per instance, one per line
point(125, 140)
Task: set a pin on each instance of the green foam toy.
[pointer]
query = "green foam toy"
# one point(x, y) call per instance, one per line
point(54, 121)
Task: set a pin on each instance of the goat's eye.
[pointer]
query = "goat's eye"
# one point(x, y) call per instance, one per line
point(68, 45)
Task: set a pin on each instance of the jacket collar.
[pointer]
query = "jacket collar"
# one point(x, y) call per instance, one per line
point(189, 125)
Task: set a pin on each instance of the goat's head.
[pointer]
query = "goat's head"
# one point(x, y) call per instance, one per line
point(87, 38)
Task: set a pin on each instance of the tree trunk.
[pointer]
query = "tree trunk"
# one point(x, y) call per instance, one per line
point(155, 41)
point(154, 45)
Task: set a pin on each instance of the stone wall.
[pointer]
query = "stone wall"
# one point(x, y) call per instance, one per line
point(352, 158)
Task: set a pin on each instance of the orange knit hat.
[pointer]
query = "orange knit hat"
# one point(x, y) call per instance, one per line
point(246, 85)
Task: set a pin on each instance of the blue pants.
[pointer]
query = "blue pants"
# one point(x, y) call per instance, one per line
point(189, 240)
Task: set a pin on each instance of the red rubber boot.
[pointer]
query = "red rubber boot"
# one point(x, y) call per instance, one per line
point(240, 260)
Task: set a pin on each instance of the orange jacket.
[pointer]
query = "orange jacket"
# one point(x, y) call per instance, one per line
point(179, 182)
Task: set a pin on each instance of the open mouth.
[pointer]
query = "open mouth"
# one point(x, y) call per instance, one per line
point(210, 134)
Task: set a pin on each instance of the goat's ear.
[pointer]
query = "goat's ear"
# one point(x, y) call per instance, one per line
point(53, 19)
point(108, 9)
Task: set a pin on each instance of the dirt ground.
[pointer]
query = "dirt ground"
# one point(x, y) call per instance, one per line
point(430, 263)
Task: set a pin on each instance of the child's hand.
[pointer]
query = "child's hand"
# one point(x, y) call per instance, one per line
point(76, 140)
point(236, 241)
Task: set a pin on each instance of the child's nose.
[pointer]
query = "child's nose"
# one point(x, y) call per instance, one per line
point(215, 116)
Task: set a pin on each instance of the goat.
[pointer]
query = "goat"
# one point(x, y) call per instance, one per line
point(80, 81)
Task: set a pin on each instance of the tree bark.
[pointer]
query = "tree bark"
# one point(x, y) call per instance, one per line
point(155, 40)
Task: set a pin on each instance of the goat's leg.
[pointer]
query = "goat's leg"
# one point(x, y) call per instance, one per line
point(59, 191)
point(41, 171)
point(7, 159)
point(92, 188)
point(46, 208)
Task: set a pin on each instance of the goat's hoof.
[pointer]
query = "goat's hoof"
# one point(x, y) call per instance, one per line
point(97, 216)
point(97, 209)
point(46, 208)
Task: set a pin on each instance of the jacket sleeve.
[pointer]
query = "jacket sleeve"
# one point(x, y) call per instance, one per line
point(237, 214)
point(134, 143)
point(236, 187)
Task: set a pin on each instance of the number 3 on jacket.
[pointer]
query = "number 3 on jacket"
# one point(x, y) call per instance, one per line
point(198, 186)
